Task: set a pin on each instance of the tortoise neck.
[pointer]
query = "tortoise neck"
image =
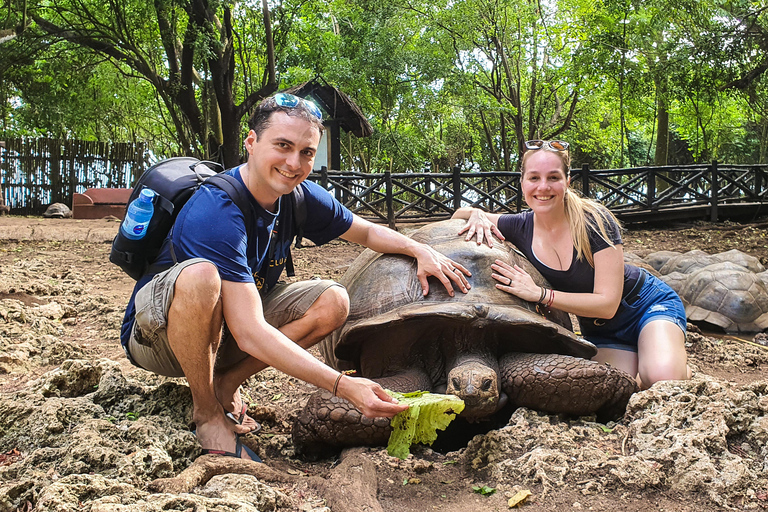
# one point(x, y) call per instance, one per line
point(469, 345)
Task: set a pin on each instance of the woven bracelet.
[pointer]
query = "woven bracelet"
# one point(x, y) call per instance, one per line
point(543, 294)
point(336, 384)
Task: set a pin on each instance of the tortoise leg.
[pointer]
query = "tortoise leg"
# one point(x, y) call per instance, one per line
point(328, 423)
point(564, 384)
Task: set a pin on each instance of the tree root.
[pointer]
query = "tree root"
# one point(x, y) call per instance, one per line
point(206, 467)
point(351, 486)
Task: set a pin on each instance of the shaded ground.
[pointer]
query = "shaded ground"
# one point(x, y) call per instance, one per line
point(60, 299)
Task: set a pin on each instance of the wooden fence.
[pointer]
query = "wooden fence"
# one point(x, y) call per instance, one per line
point(34, 174)
point(635, 194)
point(37, 172)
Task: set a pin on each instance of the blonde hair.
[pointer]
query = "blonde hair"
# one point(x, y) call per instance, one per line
point(580, 212)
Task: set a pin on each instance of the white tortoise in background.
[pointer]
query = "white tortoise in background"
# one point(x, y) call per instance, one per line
point(486, 347)
point(725, 290)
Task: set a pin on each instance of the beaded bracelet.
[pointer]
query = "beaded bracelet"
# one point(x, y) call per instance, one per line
point(336, 384)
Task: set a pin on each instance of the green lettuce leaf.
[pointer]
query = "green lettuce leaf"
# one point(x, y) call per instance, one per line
point(427, 413)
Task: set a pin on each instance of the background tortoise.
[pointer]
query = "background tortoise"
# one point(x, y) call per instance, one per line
point(657, 259)
point(486, 347)
point(726, 295)
point(688, 262)
point(57, 211)
point(725, 290)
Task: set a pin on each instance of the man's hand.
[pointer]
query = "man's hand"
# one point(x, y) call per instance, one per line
point(432, 263)
point(369, 397)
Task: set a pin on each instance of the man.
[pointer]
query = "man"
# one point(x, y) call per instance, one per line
point(218, 315)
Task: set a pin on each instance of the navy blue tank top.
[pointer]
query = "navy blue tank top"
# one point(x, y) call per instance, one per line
point(580, 276)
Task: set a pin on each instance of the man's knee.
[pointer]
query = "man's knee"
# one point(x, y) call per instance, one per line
point(200, 283)
point(332, 307)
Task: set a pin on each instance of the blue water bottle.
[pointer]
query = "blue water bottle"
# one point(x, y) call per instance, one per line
point(138, 215)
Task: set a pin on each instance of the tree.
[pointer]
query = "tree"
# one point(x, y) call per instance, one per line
point(517, 57)
point(189, 51)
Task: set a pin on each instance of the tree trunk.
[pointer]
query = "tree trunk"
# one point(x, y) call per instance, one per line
point(205, 129)
point(662, 131)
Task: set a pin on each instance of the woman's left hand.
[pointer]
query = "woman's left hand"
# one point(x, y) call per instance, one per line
point(481, 226)
point(515, 280)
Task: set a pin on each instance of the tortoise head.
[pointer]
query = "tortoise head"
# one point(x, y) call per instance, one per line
point(477, 384)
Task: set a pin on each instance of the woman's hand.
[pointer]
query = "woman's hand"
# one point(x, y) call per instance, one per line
point(516, 281)
point(369, 397)
point(481, 226)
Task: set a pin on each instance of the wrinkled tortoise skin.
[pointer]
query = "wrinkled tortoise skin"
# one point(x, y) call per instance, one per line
point(486, 347)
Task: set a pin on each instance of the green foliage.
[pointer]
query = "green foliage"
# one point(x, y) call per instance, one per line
point(443, 83)
point(428, 413)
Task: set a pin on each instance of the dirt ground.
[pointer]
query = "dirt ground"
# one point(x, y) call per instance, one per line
point(62, 248)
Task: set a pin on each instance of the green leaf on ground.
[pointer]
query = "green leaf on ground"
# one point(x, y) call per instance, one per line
point(427, 413)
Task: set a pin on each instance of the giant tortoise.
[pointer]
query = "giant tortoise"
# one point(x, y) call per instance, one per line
point(57, 211)
point(726, 295)
point(487, 347)
point(724, 290)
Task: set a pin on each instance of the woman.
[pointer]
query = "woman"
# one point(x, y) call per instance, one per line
point(636, 321)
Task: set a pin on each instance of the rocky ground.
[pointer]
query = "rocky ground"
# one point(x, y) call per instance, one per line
point(81, 429)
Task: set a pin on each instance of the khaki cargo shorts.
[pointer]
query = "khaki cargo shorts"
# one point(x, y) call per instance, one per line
point(149, 348)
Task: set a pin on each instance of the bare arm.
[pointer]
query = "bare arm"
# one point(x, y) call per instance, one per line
point(430, 262)
point(601, 303)
point(245, 319)
point(479, 223)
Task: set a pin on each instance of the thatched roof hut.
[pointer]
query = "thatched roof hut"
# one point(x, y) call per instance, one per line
point(341, 112)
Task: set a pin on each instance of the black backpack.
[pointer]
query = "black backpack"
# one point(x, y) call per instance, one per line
point(174, 181)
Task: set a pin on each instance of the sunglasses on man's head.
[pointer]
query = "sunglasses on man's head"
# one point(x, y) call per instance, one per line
point(554, 145)
point(287, 100)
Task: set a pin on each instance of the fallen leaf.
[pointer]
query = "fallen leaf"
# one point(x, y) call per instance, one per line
point(518, 498)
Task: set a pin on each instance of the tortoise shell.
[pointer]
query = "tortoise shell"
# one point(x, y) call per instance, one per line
point(727, 295)
point(389, 314)
point(688, 262)
point(57, 211)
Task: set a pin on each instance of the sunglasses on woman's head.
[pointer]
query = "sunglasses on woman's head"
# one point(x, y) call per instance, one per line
point(554, 145)
point(287, 100)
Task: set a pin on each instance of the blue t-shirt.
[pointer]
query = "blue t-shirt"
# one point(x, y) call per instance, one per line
point(211, 226)
point(580, 276)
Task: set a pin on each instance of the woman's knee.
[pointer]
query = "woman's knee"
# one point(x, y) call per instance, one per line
point(662, 354)
point(663, 371)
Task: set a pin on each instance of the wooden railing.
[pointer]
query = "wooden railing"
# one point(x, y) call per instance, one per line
point(36, 173)
point(634, 194)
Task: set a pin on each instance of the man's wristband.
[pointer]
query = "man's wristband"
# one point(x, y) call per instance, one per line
point(336, 384)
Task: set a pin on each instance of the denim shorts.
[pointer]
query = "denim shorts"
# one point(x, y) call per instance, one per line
point(654, 301)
